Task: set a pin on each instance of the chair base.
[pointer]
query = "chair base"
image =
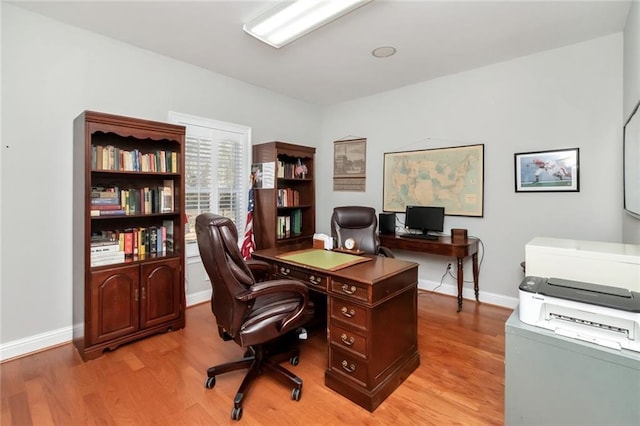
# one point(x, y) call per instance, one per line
point(258, 360)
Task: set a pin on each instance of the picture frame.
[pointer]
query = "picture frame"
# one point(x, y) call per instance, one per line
point(350, 165)
point(450, 177)
point(547, 171)
point(631, 163)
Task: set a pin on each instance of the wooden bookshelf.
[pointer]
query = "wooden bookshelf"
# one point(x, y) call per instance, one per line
point(286, 214)
point(128, 230)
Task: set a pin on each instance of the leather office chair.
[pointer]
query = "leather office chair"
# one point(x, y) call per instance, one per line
point(360, 224)
point(261, 317)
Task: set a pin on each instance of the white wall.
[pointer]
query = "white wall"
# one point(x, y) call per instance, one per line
point(631, 225)
point(51, 73)
point(563, 98)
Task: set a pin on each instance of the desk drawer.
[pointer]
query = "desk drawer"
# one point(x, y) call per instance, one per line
point(345, 338)
point(348, 365)
point(352, 290)
point(314, 280)
point(348, 313)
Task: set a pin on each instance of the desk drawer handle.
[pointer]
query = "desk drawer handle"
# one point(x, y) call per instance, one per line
point(315, 280)
point(346, 289)
point(285, 271)
point(349, 368)
point(349, 313)
point(346, 341)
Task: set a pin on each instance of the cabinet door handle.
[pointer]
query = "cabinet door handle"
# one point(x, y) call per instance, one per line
point(349, 368)
point(144, 293)
point(135, 295)
point(349, 313)
point(346, 341)
point(348, 290)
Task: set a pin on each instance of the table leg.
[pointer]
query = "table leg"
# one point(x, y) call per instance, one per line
point(460, 281)
point(476, 272)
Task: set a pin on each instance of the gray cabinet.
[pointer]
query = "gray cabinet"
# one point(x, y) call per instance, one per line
point(555, 380)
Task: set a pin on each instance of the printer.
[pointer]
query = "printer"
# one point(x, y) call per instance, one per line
point(605, 315)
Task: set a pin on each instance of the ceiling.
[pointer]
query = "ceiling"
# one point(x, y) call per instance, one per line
point(334, 63)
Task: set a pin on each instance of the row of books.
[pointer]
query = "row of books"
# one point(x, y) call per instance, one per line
point(115, 246)
point(291, 170)
point(288, 197)
point(113, 201)
point(289, 225)
point(110, 157)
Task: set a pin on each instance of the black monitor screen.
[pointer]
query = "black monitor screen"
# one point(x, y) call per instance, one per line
point(424, 218)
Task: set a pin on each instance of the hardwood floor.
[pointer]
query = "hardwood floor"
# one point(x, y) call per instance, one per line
point(160, 380)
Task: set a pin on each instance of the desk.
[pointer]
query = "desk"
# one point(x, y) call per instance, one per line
point(444, 246)
point(372, 323)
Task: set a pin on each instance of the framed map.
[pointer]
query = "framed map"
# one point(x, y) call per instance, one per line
point(452, 178)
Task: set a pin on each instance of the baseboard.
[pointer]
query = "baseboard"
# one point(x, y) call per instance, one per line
point(35, 343)
point(198, 297)
point(42, 341)
point(468, 293)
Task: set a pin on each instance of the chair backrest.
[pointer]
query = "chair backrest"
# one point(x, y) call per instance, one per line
point(218, 243)
point(359, 223)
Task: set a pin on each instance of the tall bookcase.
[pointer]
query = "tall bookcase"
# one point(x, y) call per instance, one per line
point(286, 214)
point(128, 230)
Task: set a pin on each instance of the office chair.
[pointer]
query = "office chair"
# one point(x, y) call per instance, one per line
point(360, 224)
point(261, 317)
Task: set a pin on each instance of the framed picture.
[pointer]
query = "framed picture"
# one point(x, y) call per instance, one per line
point(548, 171)
point(349, 165)
point(452, 178)
point(631, 163)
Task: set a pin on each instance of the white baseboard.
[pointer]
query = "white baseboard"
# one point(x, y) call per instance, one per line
point(198, 297)
point(468, 293)
point(35, 343)
point(42, 341)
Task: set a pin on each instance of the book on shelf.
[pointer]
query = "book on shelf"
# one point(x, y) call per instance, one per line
point(168, 243)
point(116, 212)
point(167, 196)
point(106, 248)
point(101, 261)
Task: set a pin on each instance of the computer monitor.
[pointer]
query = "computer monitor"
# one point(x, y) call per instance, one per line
point(424, 218)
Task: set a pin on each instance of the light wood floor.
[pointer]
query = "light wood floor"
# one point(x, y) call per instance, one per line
point(160, 380)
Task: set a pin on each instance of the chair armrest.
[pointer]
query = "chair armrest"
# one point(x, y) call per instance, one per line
point(279, 286)
point(385, 251)
point(261, 270)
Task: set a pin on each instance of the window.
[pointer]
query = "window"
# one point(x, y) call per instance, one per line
point(217, 167)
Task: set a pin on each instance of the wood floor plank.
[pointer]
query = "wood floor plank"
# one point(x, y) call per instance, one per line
point(160, 380)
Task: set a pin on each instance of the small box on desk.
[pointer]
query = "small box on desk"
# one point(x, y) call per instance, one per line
point(458, 234)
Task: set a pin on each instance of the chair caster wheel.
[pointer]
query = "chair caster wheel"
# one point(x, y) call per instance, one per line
point(294, 360)
point(296, 393)
point(210, 382)
point(236, 413)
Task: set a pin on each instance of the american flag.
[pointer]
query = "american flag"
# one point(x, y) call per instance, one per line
point(248, 243)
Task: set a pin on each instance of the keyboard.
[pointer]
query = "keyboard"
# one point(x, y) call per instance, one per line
point(420, 236)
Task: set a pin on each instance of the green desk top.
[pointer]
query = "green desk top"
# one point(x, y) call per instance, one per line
point(323, 259)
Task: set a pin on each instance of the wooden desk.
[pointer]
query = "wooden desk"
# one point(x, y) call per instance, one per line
point(372, 321)
point(443, 246)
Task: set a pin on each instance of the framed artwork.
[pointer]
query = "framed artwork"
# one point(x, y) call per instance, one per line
point(349, 165)
point(631, 163)
point(548, 171)
point(452, 178)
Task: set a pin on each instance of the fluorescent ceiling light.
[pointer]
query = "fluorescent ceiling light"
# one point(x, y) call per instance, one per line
point(291, 20)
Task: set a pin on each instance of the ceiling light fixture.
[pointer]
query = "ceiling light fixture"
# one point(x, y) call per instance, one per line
point(384, 51)
point(289, 21)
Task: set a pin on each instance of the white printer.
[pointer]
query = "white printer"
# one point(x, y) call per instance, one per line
point(605, 315)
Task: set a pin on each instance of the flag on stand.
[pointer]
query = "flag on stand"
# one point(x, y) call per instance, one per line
point(248, 243)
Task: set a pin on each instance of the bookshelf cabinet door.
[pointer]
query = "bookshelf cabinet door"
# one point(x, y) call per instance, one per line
point(160, 292)
point(114, 303)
